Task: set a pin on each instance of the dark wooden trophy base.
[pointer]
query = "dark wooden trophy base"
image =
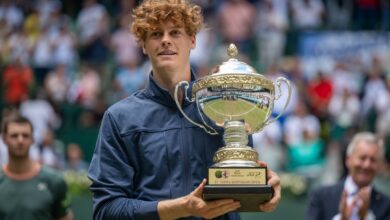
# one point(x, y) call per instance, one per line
point(249, 195)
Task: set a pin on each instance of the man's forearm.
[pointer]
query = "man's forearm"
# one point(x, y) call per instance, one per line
point(172, 209)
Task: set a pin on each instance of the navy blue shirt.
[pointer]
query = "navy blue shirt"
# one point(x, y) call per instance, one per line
point(147, 152)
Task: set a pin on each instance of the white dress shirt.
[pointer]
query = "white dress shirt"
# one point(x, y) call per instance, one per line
point(351, 188)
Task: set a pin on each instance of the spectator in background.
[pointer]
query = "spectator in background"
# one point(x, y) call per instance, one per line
point(271, 27)
point(302, 137)
point(42, 55)
point(45, 10)
point(92, 25)
point(339, 14)
point(319, 92)
point(130, 78)
point(202, 56)
point(32, 26)
point(124, 45)
point(355, 197)
point(12, 15)
point(367, 14)
point(74, 158)
point(52, 151)
point(272, 73)
point(344, 111)
point(57, 84)
point(383, 119)
point(345, 79)
point(374, 90)
point(18, 46)
point(125, 7)
point(307, 14)
point(85, 89)
point(267, 143)
point(41, 114)
point(16, 81)
point(64, 48)
point(236, 19)
point(27, 189)
point(4, 33)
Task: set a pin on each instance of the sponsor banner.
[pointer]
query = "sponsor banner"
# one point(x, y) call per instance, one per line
point(322, 50)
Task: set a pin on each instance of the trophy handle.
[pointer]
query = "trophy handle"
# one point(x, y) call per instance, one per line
point(185, 83)
point(278, 83)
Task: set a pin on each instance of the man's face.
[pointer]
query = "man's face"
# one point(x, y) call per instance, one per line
point(168, 47)
point(363, 163)
point(18, 138)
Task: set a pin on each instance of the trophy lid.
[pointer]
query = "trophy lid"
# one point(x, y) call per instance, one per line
point(233, 74)
point(233, 65)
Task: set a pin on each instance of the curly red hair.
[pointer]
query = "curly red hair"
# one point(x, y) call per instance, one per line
point(181, 13)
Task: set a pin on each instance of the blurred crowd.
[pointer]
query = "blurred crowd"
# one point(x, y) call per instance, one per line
point(56, 55)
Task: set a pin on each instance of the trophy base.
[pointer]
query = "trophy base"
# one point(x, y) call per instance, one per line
point(249, 196)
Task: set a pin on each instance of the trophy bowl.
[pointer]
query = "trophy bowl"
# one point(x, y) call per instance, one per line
point(239, 100)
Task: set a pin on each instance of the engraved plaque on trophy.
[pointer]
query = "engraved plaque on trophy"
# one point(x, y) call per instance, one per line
point(240, 101)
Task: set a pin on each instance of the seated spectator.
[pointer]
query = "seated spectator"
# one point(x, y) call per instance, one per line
point(86, 88)
point(57, 84)
point(74, 156)
point(305, 148)
point(52, 151)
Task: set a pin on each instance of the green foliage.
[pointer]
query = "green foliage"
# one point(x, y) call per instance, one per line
point(293, 184)
point(78, 183)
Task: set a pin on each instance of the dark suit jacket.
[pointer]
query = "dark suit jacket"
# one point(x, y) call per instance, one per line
point(324, 203)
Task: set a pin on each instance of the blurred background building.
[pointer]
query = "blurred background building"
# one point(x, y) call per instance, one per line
point(63, 62)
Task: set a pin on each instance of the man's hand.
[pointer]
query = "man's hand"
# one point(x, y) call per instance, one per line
point(345, 210)
point(274, 181)
point(361, 200)
point(363, 197)
point(194, 205)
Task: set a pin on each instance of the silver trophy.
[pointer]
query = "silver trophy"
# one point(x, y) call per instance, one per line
point(239, 100)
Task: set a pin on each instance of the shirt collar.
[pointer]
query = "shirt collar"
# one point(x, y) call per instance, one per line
point(351, 187)
point(161, 95)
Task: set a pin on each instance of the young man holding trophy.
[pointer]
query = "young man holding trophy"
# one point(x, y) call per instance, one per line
point(150, 162)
